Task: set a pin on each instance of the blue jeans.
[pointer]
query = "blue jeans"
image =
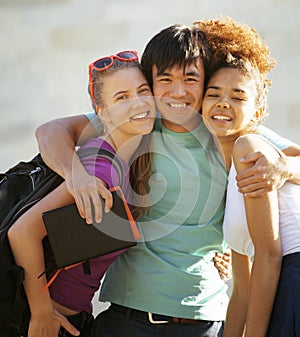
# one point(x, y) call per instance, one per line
point(112, 323)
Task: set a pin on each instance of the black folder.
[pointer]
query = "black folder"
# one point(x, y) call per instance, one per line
point(73, 240)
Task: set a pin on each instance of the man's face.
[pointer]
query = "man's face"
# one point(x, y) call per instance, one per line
point(178, 93)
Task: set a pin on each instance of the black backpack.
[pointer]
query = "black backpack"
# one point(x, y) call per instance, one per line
point(21, 187)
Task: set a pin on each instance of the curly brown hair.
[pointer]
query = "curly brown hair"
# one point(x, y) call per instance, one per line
point(237, 45)
point(227, 36)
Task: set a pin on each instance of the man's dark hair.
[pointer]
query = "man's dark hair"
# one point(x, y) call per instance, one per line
point(177, 45)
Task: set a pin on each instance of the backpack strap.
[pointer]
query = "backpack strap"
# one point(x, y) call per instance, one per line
point(86, 267)
point(104, 153)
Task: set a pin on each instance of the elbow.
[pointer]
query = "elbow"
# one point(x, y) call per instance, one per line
point(273, 258)
point(38, 132)
point(269, 255)
point(18, 233)
point(240, 292)
point(41, 131)
point(277, 260)
point(13, 235)
point(274, 265)
point(21, 235)
point(275, 253)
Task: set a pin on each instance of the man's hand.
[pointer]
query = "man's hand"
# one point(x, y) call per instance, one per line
point(263, 177)
point(223, 264)
point(86, 190)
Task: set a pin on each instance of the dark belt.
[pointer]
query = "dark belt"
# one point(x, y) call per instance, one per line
point(153, 318)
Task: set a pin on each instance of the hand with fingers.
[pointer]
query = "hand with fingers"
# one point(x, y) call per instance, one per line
point(264, 176)
point(87, 190)
point(49, 324)
point(223, 264)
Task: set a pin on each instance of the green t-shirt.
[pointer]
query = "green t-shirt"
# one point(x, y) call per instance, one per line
point(171, 271)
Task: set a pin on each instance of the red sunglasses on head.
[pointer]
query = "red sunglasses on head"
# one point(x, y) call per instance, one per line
point(107, 62)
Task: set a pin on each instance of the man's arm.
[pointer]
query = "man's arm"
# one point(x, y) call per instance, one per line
point(57, 140)
point(265, 175)
point(291, 163)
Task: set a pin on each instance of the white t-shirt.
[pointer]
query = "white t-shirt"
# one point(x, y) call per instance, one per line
point(235, 227)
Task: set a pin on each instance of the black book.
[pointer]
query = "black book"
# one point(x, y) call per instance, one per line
point(73, 240)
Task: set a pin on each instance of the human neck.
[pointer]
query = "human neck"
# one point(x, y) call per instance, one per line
point(180, 128)
point(124, 146)
point(225, 147)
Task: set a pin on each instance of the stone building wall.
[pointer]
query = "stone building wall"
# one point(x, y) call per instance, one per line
point(46, 46)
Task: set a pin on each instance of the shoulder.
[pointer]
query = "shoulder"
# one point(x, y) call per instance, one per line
point(253, 143)
point(277, 140)
point(249, 142)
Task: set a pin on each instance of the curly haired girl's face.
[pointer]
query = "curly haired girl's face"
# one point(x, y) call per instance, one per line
point(229, 103)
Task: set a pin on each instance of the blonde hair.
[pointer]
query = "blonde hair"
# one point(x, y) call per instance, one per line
point(140, 168)
point(140, 171)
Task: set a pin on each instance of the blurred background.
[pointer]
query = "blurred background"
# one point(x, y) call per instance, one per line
point(46, 45)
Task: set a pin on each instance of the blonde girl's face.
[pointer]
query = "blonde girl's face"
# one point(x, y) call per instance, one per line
point(229, 103)
point(129, 106)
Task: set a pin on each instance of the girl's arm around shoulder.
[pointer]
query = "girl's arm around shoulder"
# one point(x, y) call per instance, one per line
point(25, 237)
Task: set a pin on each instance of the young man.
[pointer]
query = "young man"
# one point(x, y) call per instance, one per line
point(167, 285)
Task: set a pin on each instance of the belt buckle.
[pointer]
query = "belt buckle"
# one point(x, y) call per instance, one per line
point(151, 320)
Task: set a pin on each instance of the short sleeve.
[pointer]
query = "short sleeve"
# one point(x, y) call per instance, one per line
point(103, 169)
point(278, 141)
point(96, 121)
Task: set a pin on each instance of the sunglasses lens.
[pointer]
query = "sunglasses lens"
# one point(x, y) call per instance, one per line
point(127, 55)
point(103, 63)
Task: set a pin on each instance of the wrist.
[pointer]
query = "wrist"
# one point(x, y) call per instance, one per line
point(291, 169)
point(42, 310)
point(286, 169)
point(71, 167)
